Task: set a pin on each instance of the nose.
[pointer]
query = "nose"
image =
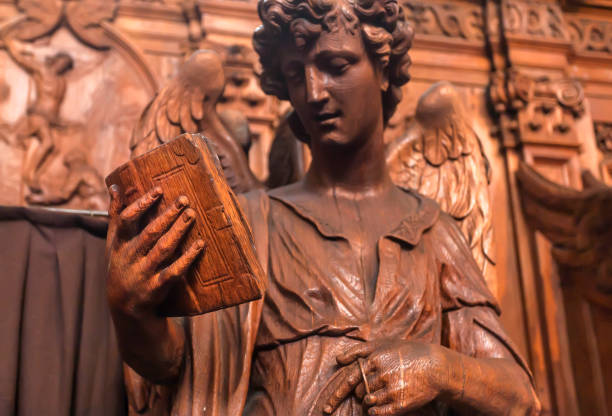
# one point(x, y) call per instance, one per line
point(316, 86)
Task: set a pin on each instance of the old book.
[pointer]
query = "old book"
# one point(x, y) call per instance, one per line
point(227, 273)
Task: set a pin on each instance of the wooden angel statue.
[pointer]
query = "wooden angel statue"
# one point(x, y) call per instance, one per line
point(374, 302)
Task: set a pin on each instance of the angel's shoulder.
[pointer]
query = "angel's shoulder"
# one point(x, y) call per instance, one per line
point(419, 206)
point(440, 225)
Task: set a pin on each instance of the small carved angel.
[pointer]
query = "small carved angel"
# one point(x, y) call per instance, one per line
point(187, 104)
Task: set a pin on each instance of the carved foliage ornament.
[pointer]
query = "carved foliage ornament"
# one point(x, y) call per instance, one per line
point(540, 20)
point(544, 108)
point(85, 18)
point(590, 35)
point(443, 19)
point(603, 134)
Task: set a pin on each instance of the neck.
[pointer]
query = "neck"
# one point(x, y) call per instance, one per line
point(359, 170)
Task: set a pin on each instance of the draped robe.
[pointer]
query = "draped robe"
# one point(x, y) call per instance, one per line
point(277, 356)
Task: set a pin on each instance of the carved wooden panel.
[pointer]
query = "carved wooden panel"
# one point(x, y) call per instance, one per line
point(63, 128)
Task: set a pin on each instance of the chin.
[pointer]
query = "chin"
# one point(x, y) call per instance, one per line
point(336, 138)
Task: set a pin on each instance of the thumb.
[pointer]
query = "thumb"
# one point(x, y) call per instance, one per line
point(114, 208)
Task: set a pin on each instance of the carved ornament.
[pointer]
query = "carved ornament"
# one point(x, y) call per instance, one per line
point(463, 21)
point(84, 18)
point(537, 109)
point(61, 164)
point(590, 35)
point(603, 135)
point(533, 19)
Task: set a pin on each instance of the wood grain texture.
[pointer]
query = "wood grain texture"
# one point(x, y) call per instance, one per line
point(227, 273)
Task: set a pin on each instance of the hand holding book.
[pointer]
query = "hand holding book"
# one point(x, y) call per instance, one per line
point(181, 245)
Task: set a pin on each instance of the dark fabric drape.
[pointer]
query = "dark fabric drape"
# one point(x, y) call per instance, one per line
point(58, 352)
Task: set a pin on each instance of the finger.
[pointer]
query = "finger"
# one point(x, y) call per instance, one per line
point(360, 391)
point(384, 410)
point(358, 351)
point(163, 280)
point(352, 378)
point(135, 210)
point(378, 397)
point(114, 207)
point(167, 244)
point(156, 229)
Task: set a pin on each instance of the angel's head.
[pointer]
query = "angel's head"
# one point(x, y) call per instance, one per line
point(341, 63)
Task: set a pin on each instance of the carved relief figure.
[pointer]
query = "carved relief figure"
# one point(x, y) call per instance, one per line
point(374, 302)
point(83, 181)
point(43, 114)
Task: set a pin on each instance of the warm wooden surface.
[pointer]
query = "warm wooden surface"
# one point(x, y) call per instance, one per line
point(457, 40)
point(227, 272)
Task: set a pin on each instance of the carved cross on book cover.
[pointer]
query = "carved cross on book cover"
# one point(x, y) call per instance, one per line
point(227, 272)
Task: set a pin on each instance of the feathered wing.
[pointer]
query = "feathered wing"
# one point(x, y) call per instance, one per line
point(187, 104)
point(577, 223)
point(441, 157)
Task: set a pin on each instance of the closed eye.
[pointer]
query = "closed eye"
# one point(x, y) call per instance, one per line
point(338, 65)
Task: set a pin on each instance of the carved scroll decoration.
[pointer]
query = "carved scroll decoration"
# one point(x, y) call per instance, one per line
point(590, 35)
point(463, 21)
point(84, 18)
point(533, 19)
point(193, 17)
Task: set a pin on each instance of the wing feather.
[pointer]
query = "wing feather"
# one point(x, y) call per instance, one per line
point(179, 106)
point(173, 106)
point(441, 157)
point(578, 223)
point(197, 104)
point(187, 104)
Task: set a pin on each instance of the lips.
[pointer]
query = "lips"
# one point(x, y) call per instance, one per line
point(327, 117)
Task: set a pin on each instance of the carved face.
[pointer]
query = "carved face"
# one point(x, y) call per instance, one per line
point(334, 86)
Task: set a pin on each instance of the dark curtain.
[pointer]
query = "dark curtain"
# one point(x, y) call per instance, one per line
point(58, 353)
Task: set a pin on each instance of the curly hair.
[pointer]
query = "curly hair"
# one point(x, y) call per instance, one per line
point(384, 29)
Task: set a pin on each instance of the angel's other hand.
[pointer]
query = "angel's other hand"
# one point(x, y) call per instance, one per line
point(401, 376)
